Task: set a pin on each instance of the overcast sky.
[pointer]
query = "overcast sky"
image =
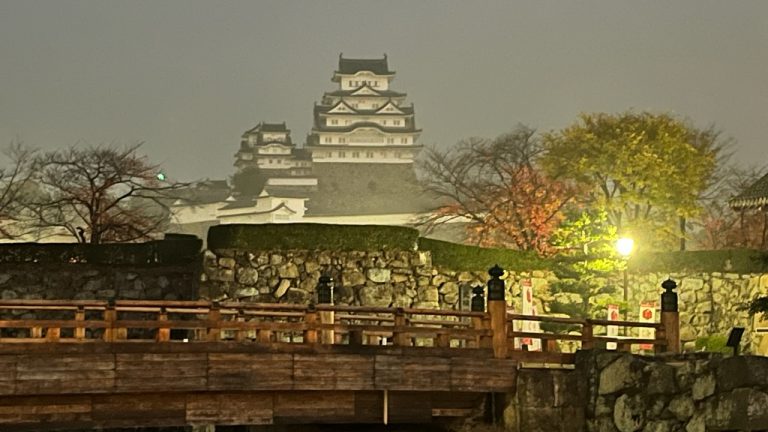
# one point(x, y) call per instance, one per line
point(188, 77)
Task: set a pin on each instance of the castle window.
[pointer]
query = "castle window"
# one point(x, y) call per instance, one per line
point(334, 121)
point(355, 154)
point(342, 154)
point(385, 122)
point(369, 154)
point(390, 140)
point(397, 122)
point(342, 140)
point(403, 140)
point(327, 139)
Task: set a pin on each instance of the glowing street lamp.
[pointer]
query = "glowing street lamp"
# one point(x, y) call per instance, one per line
point(160, 176)
point(624, 246)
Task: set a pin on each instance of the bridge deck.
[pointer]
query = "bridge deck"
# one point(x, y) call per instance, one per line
point(66, 386)
point(93, 364)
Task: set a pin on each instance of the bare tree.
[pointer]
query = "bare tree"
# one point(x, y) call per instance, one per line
point(15, 184)
point(496, 186)
point(101, 194)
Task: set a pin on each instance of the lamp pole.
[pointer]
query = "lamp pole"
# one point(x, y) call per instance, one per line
point(624, 247)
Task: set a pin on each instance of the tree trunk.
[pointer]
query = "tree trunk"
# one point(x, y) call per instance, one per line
point(682, 233)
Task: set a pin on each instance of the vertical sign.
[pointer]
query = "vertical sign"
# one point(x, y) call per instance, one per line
point(647, 314)
point(613, 331)
point(526, 293)
point(535, 328)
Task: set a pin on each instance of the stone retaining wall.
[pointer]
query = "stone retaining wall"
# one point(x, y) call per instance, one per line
point(628, 393)
point(709, 303)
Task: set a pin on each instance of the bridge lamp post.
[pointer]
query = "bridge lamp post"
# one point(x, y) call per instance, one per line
point(624, 247)
point(325, 297)
point(497, 309)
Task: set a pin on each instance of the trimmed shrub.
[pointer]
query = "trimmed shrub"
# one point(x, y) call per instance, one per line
point(309, 236)
point(472, 258)
point(713, 343)
point(730, 261)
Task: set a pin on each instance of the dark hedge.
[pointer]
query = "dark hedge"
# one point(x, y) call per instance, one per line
point(310, 236)
point(472, 258)
point(731, 261)
point(174, 249)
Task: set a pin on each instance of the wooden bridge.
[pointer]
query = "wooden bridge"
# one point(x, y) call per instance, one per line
point(93, 364)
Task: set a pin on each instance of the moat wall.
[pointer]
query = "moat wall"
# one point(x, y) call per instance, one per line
point(709, 302)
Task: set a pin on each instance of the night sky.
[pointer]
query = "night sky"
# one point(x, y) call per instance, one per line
point(188, 77)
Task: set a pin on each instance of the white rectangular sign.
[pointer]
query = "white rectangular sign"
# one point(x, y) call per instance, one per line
point(613, 331)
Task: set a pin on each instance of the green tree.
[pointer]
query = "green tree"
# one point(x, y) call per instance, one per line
point(249, 181)
point(646, 171)
point(586, 258)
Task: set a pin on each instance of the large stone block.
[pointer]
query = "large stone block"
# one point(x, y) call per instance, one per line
point(624, 373)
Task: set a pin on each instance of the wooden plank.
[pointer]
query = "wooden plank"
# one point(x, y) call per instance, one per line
point(166, 371)
point(65, 362)
point(299, 407)
point(64, 374)
point(333, 372)
point(250, 371)
point(141, 409)
point(230, 408)
point(412, 373)
point(7, 375)
point(486, 375)
point(40, 410)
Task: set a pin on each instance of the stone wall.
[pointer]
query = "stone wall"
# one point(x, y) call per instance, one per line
point(366, 278)
point(628, 393)
point(102, 282)
point(709, 303)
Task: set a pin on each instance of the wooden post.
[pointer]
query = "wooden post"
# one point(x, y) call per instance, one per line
point(240, 333)
point(53, 334)
point(587, 338)
point(110, 315)
point(444, 340)
point(497, 310)
point(214, 323)
point(486, 341)
point(400, 338)
point(264, 336)
point(477, 324)
point(163, 333)
point(325, 296)
point(670, 317)
point(80, 317)
point(310, 320)
point(661, 340)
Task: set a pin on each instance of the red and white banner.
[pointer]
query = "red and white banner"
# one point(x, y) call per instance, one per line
point(613, 331)
point(648, 315)
point(527, 308)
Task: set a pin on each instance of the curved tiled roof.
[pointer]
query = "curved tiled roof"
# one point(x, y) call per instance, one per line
point(348, 66)
point(352, 127)
point(381, 93)
point(755, 196)
point(323, 109)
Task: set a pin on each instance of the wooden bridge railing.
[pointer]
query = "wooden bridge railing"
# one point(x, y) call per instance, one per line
point(586, 336)
point(90, 321)
point(84, 321)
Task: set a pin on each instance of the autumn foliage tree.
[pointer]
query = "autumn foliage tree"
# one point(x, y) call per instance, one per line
point(497, 187)
point(100, 194)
